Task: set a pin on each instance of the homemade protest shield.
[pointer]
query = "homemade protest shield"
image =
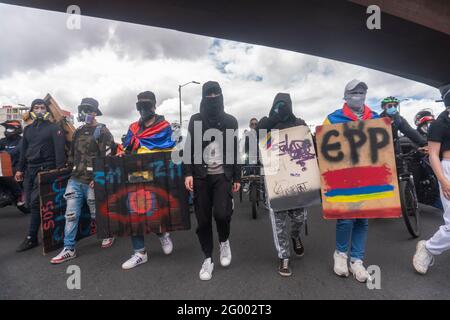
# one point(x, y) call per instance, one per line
point(140, 194)
point(52, 186)
point(5, 165)
point(358, 170)
point(291, 171)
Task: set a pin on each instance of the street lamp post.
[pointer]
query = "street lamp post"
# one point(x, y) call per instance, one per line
point(179, 96)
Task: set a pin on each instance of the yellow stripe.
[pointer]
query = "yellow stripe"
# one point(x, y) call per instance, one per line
point(326, 122)
point(361, 197)
point(145, 150)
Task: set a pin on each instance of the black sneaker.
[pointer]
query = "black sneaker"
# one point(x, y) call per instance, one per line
point(27, 244)
point(299, 249)
point(284, 269)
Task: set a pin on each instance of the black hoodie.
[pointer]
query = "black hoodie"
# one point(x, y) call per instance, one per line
point(274, 121)
point(211, 115)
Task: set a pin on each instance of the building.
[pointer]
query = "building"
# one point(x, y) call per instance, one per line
point(17, 112)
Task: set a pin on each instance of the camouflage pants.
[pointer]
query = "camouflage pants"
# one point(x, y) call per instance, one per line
point(280, 229)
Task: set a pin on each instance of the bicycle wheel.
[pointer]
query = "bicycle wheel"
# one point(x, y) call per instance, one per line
point(253, 195)
point(410, 208)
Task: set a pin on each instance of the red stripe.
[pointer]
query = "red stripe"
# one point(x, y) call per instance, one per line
point(357, 177)
point(349, 113)
point(380, 213)
point(135, 127)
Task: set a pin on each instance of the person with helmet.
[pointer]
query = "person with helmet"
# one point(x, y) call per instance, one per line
point(151, 133)
point(43, 149)
point(390, 110)
point(423, 120)
point(11, 144)
point(91, 140)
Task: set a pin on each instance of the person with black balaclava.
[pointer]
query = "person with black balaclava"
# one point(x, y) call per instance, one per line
point(11, 144)
point(439, 144)
point(280, 117)
point(43, 149)
point(151, 133)
point(212, 180)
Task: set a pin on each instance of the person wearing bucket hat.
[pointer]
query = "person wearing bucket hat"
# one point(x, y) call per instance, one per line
point(351, 234)
point(439, 155)
point(90, 140)
point(151, 133)
point(42, 149)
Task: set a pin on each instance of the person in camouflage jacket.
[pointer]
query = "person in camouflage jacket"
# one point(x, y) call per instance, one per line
point(91, 140)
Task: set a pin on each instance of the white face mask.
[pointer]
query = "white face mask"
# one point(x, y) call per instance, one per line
point(9, 130)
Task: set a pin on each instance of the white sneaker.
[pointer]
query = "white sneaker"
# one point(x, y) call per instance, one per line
point(166, 243)
point(225, 253)
point(63, 256)
point(422, 258)
point(340, 264)
point(136, 259)
point(108, 242)
point(359, 272)
point(207, 269)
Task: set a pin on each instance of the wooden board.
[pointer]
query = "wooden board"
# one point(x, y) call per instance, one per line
point(140, 194)
point(6, 169)
point(52, 186)
point(358, 170)
point(291, 171)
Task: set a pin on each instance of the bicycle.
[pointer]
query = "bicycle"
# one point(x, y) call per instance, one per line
point(252, 178)
point(408, 195)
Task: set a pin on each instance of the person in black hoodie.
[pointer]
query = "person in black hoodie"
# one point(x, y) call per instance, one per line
point(43, 148)
point(212, 179)
point(282, 117)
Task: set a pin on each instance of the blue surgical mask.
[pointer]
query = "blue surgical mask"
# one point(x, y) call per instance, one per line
point(391, 111)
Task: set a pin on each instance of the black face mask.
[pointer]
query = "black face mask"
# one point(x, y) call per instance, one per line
point(146, 110)
point(214, 105)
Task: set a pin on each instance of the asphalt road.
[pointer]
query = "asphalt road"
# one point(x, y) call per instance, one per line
point(252, 274)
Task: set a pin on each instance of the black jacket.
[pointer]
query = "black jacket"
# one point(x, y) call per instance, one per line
point(400, 124)
point(12, 146)
point(43, 143)
point(221, 121)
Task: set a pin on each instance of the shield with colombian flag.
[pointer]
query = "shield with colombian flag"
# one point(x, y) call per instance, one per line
point(358, 170)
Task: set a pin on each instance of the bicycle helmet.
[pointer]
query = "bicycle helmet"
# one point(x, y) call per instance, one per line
point(388, 100)
point(423, 116)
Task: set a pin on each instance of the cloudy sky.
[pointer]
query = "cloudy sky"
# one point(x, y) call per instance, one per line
point(114, 61)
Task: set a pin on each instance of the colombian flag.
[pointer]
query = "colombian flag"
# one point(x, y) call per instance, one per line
point(153, 139)
point(358, 184)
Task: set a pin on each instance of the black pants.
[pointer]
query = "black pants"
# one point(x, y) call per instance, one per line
point(31, 187)
point(212, 196)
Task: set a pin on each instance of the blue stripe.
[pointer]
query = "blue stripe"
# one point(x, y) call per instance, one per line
point(360, 190)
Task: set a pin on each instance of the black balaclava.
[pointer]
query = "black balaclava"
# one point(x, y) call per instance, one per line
point(282, 108)
point(146, 105)
point(212, 109)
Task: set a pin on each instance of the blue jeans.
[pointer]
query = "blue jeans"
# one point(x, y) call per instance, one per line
point(352, 232)
point(138, 242)
point(76, 194)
